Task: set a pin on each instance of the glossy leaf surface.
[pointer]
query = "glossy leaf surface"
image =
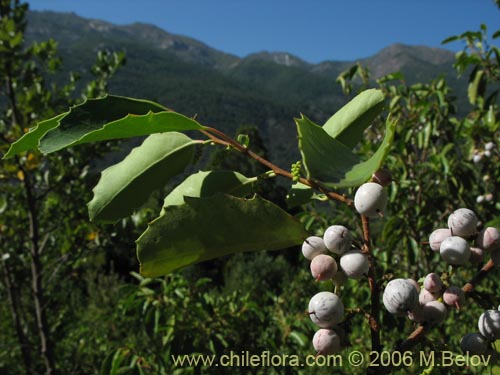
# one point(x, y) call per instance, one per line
point(107, 118)
point(331, 163)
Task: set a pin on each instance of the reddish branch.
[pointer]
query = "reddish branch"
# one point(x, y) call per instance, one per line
point(220, 138)
point(374, 291)
point(469, 287)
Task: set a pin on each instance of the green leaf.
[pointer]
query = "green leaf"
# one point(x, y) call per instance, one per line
point(477, 85)
point(110, 117)
point(396, 76)
point(29, 141)
point(300, 194)
point(450, 39)
point(206, 184)
point(348, 123)
point(206, 228)
point(125, 186)
point(324, 158)
point(331, 163)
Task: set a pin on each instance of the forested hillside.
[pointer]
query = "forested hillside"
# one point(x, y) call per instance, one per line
point(265, 89)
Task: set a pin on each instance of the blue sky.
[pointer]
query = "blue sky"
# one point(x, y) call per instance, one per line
point(314, 30)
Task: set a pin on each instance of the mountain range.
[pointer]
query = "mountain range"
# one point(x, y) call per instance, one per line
point(265, 89)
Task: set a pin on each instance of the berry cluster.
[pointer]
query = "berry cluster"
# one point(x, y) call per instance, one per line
point(326, 308)
point(333, 257)
point(489, 331)
point(453, 243)
point(478, 154)
point(427, 304)
point(458, 244)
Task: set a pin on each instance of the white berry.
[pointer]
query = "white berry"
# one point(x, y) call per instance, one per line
point(437, 237)
point(474, 343)
point(489, 146)
point(400, 296)
point(313, 246)
point(463, 222)
point(370, 199)
point(455, 250)
point(338, 239)
point(415, 284)
point(355, 264)
point(326, 341)
point(488, 239)
point(434, 312)
point(326, 309)
point(489, 324)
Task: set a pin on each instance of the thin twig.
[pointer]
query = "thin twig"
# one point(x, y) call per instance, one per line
point(469, 287)
point(374, 291)
point(220, 138)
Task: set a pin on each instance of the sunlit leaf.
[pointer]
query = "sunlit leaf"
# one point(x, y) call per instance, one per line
point(348, 123)
point(206, 228)
point(300, 194)
point(331, 163)
point(125, 186)
point(106, 118)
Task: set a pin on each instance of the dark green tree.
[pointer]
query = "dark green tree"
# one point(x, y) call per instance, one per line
point(41, 229)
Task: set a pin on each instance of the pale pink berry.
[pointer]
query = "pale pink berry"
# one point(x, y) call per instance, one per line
point(454, 296)
point(323, 267)
point(437, 237)
point(433, 283)
point(326, 341)
point(488, 239)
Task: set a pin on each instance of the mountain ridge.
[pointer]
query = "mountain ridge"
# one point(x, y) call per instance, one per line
point(179, 44)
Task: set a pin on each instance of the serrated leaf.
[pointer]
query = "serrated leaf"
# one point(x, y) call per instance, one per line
point(110, 117)
point(207, 183)
point(125, 186)
point(206, 228)
point(331, 163)
point(349, 122)
point(29, 141)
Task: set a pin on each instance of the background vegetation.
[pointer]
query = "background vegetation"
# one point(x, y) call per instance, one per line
point(72, 300)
